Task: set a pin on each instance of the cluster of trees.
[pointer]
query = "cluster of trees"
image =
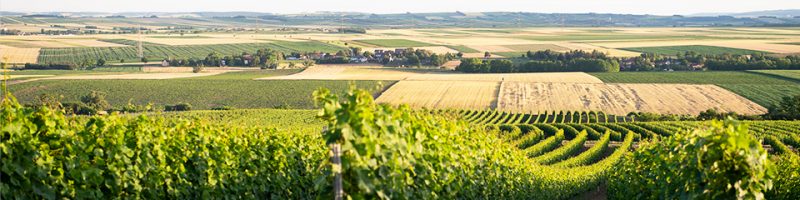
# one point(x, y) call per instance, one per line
point(417, 57)
point(694, 61)
point(545, 61)
point(752, 62)
point(475, 65)
point(787, 109)
point(264, 58)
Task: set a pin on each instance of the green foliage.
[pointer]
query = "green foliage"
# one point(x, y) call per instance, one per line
point(721, 161)
point(563, 152)
point(590, 155)
point(178, 107)
point(48, 156)
point(545, 145)
point(787, 177)
point(787, 109)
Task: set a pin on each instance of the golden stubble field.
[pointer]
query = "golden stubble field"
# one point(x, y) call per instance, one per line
point(621, 99)
point(442, 94)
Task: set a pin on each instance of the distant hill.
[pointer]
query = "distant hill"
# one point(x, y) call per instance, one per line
point(766, 13)
point(454, 19)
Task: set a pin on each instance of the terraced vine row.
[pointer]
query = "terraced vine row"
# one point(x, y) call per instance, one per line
point(498, 117)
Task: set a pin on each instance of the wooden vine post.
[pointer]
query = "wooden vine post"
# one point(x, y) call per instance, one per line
point(336, 163)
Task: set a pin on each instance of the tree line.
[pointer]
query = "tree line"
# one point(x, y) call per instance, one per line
point(544, 61)
point(694, 61)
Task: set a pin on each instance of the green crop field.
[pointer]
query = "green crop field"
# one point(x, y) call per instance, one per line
point(766, 90)
point(792, 74)
point(159, 52)
point(688, 77)
point(200, 93)
point(288, 120)
point(763, 94)
point(395, 43)
point(700, 49)
point(535, 47)
point(463, 49)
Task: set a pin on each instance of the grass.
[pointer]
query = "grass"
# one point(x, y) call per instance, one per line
point(200, 93)
point(395, 43)
point(791, 74)
point(700, 49)
point(765, 90)
point(463, 49)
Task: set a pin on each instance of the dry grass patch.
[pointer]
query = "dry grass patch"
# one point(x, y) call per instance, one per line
point(442, 94)
point(620, 99)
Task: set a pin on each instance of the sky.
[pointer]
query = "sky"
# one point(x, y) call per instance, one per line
point(656, 7)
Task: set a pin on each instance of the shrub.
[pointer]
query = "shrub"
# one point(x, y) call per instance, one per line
point(178, 107)
point(721, 161)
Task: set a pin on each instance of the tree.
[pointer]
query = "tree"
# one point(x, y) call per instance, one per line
point(144, 60)
point(787, 109)
point(101, 62)
point(487, 55)
point(96, 100)
point(501, 66)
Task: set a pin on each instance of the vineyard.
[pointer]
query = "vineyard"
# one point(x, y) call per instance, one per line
point(273, 153)
point(159, 52)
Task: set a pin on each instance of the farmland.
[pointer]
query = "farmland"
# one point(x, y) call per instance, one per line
point(19, 55)
point(394, 43)
point(707, 50)
point(158, 52)
point(763, 89)
point(442, 94)
point(201, 94)
point(419, 132)
point(621, 99)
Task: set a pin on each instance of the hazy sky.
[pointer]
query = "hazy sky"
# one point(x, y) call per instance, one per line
point(659, 7)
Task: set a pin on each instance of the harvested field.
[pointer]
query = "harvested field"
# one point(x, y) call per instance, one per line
point(19, 55)
point(550, 77)
point(344, 72)
point(620, 99)
point(442, 94)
